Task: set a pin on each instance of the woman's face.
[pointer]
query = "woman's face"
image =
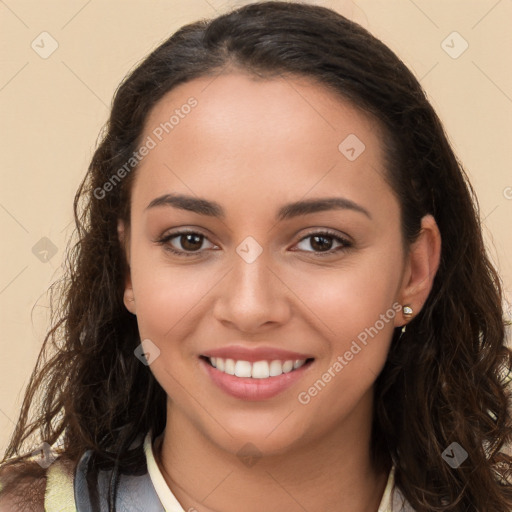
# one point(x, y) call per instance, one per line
point(295, 255)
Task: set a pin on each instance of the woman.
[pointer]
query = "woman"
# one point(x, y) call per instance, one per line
point(280, 297)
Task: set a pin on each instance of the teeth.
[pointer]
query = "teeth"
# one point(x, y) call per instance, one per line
point(260, 370)
point(257, 370)
point(287, 366)
point(243, 369)
point(229, 366)
point(276, 368)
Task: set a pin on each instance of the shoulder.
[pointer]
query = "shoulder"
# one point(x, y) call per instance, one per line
point(27, 486)
point(22, 487)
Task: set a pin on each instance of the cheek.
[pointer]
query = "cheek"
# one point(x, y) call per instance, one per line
point(164, 293)
point(168, 298)
point(357, 308)
point(169, 307)
point(353, 297)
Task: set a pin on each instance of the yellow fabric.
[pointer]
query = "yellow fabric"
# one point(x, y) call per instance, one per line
point(59, 494)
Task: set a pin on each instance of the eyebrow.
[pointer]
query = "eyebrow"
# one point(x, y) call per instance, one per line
point(213, 209)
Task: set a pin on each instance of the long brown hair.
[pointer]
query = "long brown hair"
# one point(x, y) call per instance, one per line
point(443, 380)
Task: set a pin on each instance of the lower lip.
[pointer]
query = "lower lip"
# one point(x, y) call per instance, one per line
point(247, 388)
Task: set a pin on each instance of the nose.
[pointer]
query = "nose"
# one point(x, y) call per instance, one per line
point(252, 297)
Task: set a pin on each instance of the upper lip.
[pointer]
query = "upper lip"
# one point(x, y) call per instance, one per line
point(241, 353)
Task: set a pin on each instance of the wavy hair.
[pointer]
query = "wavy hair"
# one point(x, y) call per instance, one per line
point(443, 379)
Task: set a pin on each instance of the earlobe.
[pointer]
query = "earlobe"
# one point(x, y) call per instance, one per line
point(421, 267)
point(128, 297)
point(129, 300)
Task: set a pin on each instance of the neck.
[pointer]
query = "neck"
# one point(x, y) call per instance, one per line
point(333, 472)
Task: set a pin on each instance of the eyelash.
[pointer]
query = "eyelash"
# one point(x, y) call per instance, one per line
point(346, 244)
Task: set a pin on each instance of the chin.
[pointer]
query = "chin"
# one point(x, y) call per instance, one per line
point(262, 436)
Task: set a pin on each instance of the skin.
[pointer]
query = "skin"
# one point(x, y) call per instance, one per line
point(252, 146)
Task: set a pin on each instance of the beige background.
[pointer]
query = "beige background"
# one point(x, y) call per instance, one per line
point(53, 109)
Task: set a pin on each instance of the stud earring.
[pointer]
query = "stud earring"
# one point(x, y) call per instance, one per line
point(407, 311)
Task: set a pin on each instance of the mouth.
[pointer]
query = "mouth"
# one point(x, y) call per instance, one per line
point(264, 369)
point(254, 380)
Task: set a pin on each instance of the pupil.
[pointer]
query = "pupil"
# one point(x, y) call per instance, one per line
point(191, 246)
point(321, 246)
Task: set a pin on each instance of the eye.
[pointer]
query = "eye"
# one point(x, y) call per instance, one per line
point(190, 241)
point(322, 243)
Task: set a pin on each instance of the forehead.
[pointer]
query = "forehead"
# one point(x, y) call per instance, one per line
point(272, 140)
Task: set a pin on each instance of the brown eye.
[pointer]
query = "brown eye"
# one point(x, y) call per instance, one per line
point(184, 243)
point(190, 241)
point(323, 243)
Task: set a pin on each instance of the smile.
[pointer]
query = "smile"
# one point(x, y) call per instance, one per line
point(257, 380)
point(257, 369)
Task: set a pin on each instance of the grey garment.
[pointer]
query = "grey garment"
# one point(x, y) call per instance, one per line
point(135, 493)
point(399, 503)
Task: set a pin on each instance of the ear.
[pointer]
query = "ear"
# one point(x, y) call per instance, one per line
point(422, 262)
point(124, 240)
